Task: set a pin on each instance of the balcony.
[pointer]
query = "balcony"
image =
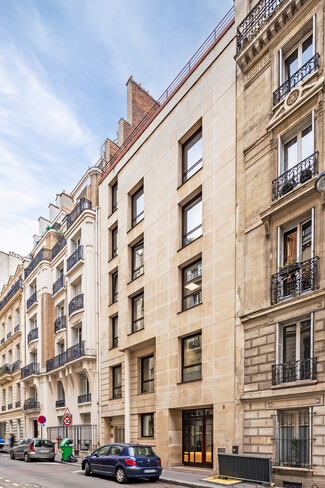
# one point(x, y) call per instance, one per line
point(74, 352)
point(30, 369)
point(77, 303)
point(75, 257)
point(16, 366)
point(294, 280)
point(32, 335)
point(8, 335)
point(58, 285)
point(31, 404)
point(43, 255)
point(59, 324)
point(56, 362)
point(16, 329)
point(5, 373)
point(2, 341)
point(3, 408)
point(295, 176)
point(17, 404)
point(58, 247)
point(295, 80)
point(31, 300)
point(60, 403)
point(84, 398)
point(17, 286)
point(9, 406)
point(82, 205)
point(305, 369)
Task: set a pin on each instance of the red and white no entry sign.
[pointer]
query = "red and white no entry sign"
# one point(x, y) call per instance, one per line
point(41, 419)
point(66, 420)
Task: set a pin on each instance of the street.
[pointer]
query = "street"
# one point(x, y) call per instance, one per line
point(18, 474)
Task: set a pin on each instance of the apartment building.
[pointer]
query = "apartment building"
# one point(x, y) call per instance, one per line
point(280, 247)
point(11, 349)
point(167, 230)
point(61, 315)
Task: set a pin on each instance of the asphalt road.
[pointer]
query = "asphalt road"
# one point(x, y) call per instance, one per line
point(42, 474)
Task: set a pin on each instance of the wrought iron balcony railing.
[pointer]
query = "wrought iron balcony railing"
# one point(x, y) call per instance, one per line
point(2, 340)
point(32, 368)
point(76, 351)
point(76, 256)
point(3, 408)
point(17, 404)
point(8, 335)
point(17, 286)
point(32, 335)
point(5, 369)
point(16, 366)
point(295, 176)
point(56, 362)
point(58, 284)
point(257, 17)
point(43, 255)
point(32, 299)
point(82, 205)
point(294, 280)
point(58, 247)
point(9, 406)
point(59, 324)
point(305, 369)
point(60, 403)
point(31, 404)
point(84, 398)
point(296, 79)
point(16, 329)
point(77, 303)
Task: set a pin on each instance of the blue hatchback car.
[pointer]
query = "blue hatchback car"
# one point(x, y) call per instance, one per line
point(123, 461)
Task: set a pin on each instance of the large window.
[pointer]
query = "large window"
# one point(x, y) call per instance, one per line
point(137, 207)
point(191, 358)
point(114, 197)
point(296, 243)
point(114, 331)
point(117, 381)
point(297, 147)
point(137, 312)
point(115, 287)
point(298, 56)
point(192, 220)
point(192, 285)
point(114, 242)
point(137, 260)
point(147, 425)
point(293, 438)
point(147, 374)
point(192, 155)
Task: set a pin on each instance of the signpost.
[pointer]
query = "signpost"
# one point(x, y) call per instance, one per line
point(41, 420)
point(67, 419)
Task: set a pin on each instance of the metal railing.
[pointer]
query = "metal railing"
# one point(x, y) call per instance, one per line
point(257, 17)
point(43, 255)
point(76, 351)
point(295, 176)
point(293, 438)
point(305, 369)
point(294, 280)
point(58, 285)
point(60, 403)
point(32, 335)
point(3, 408)
point(56, 361)
point(84, 398)
point(31, 404)
point(82, 205)
point(296, 79)
point(32, 368)
point(32, 299)
point(58, 247)
point(84, 436)
point(8, 335)
point(9, 406)
point(17, 404)
point(2, 341)
point(16, 329)
point(5, 369)
point(16, 365)
point(188, 69)
point(17, 286)
point(76, 256)
point(59, 324)
point(77, 303)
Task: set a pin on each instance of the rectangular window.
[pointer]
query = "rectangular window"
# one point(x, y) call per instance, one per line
point(137, 260)
point(137, 207)
point(192, 220)
point(117, 381)
point(191, 358)
point(114, 242)
point(114, 197)
point(115, 287)
point(192, 285)
point(293, 438)
point(192, 155)
point(114, 331)
point(137, 313)
point(297, 57)
point(147, 425)
point(296, 243)
point(147, 374)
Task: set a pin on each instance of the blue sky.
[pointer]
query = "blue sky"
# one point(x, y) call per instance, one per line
point(63, 69)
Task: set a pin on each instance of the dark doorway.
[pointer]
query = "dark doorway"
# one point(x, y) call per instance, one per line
point(35, 428)
point(198, 437)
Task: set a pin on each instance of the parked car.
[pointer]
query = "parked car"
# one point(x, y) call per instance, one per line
point(32, 448)
point(123, 461)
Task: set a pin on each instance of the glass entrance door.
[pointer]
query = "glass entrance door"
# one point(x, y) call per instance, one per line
point(198, 437)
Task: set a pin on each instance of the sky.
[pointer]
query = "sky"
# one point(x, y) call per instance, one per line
point(63, 69)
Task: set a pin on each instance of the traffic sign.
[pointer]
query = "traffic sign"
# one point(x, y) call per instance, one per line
point(66, 420)
point(67, 413)
point(41, 419)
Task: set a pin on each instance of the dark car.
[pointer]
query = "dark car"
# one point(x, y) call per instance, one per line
point(123, 461)
point(30, 448)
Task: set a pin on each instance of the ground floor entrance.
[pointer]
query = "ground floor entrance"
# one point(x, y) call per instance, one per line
point(198, 437)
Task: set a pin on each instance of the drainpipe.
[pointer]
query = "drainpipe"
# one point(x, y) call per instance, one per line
point(98, 327)
point(127, 395)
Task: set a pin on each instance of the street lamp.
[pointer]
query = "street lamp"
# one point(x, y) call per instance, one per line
point(320, 183)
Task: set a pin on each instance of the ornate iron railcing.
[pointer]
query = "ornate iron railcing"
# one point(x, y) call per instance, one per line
point(17, 404)
point(8, 335)
point(82, 205)
point(84, 398)
point(296, 79)
point(258, 16)
point(77, 303)
point(16, 329)
point(43, 255)
point(59, 324)
point(32, 335)
point(58, 284)
point(58, 247)
point(305, 369)
point(3, 408)
point(56, 362)
point(60, 403)
point(76, 351)
point(5, 369)
point(9, 406)
point(2, 340)
point(32, 299)
point(16, 366)
point(294, 280)
point(76, 256)
point(31, 404)
point(295, 176)
point(17, 286)
point(32, 368)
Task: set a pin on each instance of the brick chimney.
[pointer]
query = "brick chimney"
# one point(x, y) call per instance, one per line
point(139, 102)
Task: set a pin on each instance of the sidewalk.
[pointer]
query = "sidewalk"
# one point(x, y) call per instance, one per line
point(194, 480)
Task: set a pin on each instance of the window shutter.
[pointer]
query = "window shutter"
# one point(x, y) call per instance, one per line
point(314, 34)
point(312, 232)
point(281, 66)
point(280, 253)
point(278, 339)
point(312, 335)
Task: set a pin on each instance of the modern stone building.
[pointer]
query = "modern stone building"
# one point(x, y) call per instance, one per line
point(280, 248)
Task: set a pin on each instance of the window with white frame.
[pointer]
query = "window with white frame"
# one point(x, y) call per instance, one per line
point(296, 242)
point(298, 55)
point(293, 437)
point(297, 145)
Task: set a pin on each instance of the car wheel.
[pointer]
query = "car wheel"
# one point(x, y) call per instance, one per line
point(87, 470)
point(154, 478)
point(26, 458)
point(120, 476)
point(12, 456)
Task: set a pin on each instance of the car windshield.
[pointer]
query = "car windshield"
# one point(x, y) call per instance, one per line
point(43, 443)
point(141, 451)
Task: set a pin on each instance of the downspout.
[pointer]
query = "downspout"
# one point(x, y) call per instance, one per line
point(98, 327)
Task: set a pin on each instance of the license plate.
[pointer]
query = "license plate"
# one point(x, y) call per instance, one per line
point(149, 470)
point(43, 451)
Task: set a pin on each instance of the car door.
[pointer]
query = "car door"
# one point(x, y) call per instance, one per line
point(20, 448)
point(97, 461)
point(112, 459)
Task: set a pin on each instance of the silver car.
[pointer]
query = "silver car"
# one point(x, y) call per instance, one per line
point(31, 448)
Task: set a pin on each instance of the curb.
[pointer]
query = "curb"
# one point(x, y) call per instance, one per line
point(190, 484)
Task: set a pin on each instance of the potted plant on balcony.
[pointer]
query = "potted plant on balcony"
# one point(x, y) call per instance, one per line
point(287, 186)
point(292, 265)
point(305, 175)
